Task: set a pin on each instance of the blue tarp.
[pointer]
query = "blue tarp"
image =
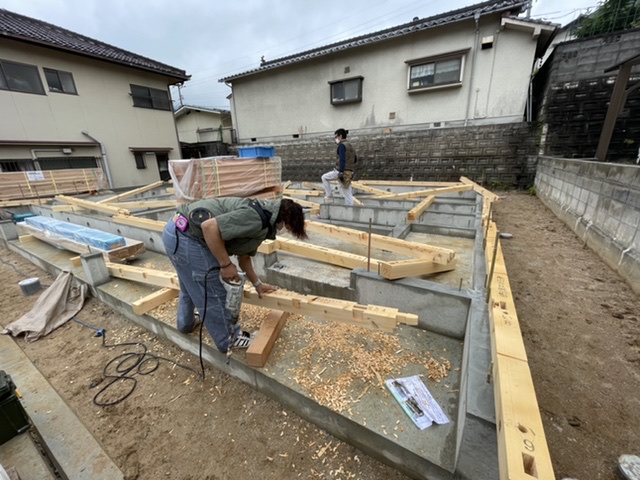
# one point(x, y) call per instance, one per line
point(77, 233)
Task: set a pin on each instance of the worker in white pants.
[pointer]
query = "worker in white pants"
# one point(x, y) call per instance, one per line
point(347, 192)
point(346, 160)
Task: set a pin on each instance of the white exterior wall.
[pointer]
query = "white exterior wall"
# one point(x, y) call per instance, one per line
point(189, 124)
point(103, 107)
point(291, 100)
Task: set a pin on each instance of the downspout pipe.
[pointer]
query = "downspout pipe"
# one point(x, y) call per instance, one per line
point(103, 151)
point(476, 17)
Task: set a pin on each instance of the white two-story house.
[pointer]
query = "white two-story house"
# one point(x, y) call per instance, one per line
point(470, 66)
point(69, 101)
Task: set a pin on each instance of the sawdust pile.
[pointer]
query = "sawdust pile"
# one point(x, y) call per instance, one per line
point(340, 363)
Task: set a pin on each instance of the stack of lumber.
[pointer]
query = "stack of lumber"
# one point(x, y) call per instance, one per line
point(79, 239)
point(210, 177)
point(17, 185)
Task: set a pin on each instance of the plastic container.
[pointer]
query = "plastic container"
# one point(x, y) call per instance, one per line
point(256, 152)
point(30, 286)
point(13, 418)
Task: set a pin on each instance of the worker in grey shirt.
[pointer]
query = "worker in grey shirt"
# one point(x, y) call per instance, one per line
point(200, 240)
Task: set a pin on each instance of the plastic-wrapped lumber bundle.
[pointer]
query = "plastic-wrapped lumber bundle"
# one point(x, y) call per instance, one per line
point(77, 233)
point(210, 177)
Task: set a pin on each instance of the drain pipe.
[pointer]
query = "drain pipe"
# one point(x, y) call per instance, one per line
point(103, 151)
point(476, 17)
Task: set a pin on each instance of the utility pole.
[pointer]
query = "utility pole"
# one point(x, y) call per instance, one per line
point(180, 94)
point(529, 6)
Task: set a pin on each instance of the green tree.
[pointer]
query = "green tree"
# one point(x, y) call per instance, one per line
point(611, 16)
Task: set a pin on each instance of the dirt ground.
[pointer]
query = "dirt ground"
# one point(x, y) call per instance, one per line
point(580, 326)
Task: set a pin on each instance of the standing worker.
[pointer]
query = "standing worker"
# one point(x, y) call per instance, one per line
point(200, 239)
point(346, 160)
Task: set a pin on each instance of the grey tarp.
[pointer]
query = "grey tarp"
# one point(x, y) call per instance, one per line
point(59, 303)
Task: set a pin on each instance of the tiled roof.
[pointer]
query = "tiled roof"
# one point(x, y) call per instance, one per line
point(26, 29)
point(492, 6)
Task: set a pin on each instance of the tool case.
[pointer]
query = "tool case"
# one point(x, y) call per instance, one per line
point(13, 418)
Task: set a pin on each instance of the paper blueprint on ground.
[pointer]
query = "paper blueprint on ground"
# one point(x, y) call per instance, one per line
point(416, 400)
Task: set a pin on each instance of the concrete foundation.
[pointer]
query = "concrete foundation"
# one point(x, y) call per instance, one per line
point(453, 322)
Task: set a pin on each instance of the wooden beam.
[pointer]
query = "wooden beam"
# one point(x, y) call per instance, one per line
point(144, 204)
point(92, 205)
point(392, 183)
point(424, 193)
point(159, 278)
point(312, 186)
point(18, 203)
point(286, 185)
point(314, 207)
point(480, 190)
point(357, 202)
point(365, 188)
point(153, 225)
point(369, 316)
point(389, 270)
point(523, 452)
point(419, 209)
point(145, 304)
point(268, 246)
point(132, 193)
point(413, 268)
point(261, 347)
point(382, 242)
point(309, 193)
point(324, 254)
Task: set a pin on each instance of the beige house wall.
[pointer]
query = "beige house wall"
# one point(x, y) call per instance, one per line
point(277, 104)
point(197, 126)
point(103, 107)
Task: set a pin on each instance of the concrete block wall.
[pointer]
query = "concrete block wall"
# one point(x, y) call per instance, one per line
point(600, 202)
point(573, 92)
point(496, 155)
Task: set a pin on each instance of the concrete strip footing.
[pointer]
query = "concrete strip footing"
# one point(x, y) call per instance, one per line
point(453, 317)
point(77, 453)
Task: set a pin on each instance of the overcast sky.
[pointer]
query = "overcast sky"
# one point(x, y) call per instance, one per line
point(212, 39)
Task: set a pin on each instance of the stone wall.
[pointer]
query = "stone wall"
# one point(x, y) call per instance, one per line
point(600, 202)
point(573, 92)
point(494, 155)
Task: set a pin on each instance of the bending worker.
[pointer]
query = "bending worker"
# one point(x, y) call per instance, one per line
point(346, 160)
point(200, 239)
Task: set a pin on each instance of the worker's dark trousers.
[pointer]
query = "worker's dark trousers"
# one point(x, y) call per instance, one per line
point(192, 260)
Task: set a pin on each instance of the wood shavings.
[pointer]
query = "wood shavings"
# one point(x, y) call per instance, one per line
point(355, 357)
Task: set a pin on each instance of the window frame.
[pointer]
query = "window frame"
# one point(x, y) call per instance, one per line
point(5, 84)
point(57, 73)
point(435, 59)
point(150, 98)
point(140, 159)
point(360, 79)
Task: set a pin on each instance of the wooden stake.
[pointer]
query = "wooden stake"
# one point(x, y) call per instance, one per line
point(261, 347)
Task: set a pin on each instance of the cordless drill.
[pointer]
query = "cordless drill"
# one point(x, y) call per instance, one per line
point(233, 302)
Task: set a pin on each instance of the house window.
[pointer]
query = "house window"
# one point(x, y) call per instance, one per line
point(146, 97)
point(20, 77)
point(59, 81)
point(346, 91)
point(141, 163)
point(441, 71)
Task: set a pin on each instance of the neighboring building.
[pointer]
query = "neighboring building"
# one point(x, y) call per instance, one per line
point(471, 66)
point(573, 91)
point(201, 127)
point(69, 101)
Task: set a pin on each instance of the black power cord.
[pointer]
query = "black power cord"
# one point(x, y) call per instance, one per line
point(125, 366)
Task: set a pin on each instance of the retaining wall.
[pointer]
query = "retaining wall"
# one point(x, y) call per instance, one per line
point(488, 154)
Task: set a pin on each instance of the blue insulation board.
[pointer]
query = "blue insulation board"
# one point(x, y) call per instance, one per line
point(77, 233)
